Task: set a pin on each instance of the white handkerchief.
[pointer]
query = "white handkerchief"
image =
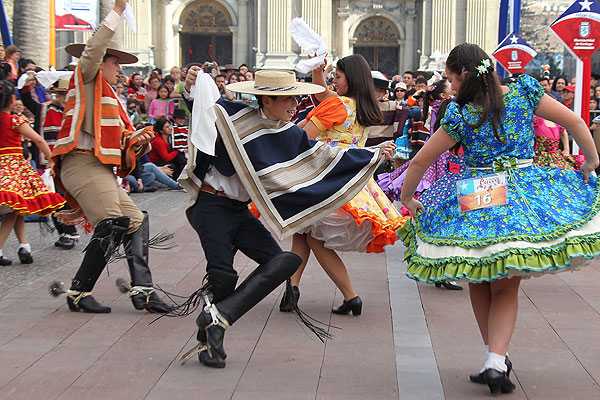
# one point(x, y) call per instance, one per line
point(204, 132)
point(310, 42)
point(45, 78)
point(130, 18)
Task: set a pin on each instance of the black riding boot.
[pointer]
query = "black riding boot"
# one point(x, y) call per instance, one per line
point(108, 235)
point(216, 318)
point(142, 293)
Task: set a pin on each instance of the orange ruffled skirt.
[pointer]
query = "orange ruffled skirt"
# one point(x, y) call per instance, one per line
point(367, 223)
point(22, 190)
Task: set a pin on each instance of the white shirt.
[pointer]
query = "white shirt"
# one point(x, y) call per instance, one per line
point(231, 186)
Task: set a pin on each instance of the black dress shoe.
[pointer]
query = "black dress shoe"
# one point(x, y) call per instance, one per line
point(353, 305)
point(86, 304)
point(478, 378)
point(497, 381)
point(290, 299)
point(66, 243)
point(450, 285)
point(24, 256)
point(5, 262)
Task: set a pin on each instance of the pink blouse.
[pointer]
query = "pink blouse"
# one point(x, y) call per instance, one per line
point(548, 129)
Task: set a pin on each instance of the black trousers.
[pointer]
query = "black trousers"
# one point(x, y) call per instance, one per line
point(225, 226)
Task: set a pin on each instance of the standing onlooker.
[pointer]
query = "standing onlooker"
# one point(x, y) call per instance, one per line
point(162, 106)
point(558, 86)
point(175, 73)
point(568, 95)
point(136, 89)
point(12, 57)
point(134, 111)
point(409, 79)
point(221, 81)
point(154, 83)
point(545, 82)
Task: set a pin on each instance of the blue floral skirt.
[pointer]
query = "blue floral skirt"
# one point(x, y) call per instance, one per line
point(551, 217)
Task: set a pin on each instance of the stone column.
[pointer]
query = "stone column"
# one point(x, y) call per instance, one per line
point(241, 55)
point(409, 42)
point(460, 22)
point(31, 29)
point(278, 40)
point(426, 34)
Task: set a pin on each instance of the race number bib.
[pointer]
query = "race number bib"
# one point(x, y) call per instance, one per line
point(483, 192)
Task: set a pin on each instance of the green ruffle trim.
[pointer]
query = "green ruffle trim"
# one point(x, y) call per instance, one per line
point(561, 231)
point(528, 261)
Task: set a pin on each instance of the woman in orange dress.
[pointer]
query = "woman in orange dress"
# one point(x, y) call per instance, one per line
point(369, 221)
point(22, 191)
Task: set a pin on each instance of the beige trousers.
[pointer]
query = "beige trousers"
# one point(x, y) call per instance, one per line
point(95, 188)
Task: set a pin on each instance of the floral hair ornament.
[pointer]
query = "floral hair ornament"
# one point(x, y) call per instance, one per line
point(484, 67)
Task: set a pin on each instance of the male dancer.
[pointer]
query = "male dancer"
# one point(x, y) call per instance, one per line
point(96, 136)
point(220, 214)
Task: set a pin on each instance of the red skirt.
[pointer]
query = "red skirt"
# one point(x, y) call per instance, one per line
point(21, 188)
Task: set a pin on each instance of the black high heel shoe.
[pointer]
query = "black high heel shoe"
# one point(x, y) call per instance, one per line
point(448, 285)
point(479, 379)
point(353, 305)
point(498, 381)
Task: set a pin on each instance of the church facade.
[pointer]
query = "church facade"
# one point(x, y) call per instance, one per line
point(393, 35)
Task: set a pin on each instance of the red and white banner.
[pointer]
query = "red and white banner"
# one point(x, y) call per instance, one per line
point(76, 15)
point(514, 53)
point(579, 30)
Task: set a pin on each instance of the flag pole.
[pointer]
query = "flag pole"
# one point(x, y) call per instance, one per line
point(4, 31)
point(52, 36)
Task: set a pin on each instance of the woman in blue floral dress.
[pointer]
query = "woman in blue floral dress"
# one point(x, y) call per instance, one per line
point(519, 220)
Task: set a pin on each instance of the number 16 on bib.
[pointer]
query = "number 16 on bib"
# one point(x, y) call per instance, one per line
point(483, 192)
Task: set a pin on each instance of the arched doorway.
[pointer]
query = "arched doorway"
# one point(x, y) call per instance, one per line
point(376, 39)
point(205, 33)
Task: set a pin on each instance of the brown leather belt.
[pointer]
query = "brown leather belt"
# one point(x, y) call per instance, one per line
point(206, 188)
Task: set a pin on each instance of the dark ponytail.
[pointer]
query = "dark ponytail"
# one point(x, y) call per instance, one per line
point(480, 86)
point(361, 89)
point(432, 95)
point(7, 91)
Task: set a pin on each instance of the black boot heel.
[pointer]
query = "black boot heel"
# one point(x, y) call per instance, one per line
point(353, 306)
point(290, 298)
point(498, 382)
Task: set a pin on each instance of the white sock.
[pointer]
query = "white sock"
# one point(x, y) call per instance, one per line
point(1, 254)
point(486, 352)
point(25, 246)
point(495, 361)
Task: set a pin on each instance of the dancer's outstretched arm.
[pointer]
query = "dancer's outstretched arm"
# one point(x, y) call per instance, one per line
point(433, 149)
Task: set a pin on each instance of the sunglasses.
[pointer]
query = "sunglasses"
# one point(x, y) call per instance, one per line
point(400, 90)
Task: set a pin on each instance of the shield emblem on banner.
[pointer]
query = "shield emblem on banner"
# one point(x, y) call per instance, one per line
point(584, 29)
point(514, 56)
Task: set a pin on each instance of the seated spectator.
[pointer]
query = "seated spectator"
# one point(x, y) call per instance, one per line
point(148, 177)
point(160, 153)
point(162, 106)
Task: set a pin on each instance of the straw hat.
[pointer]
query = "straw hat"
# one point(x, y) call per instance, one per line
point(76, 49)
point(275, 83)
point(60, 87)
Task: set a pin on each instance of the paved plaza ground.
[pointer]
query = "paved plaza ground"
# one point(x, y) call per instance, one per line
point(412, 341)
